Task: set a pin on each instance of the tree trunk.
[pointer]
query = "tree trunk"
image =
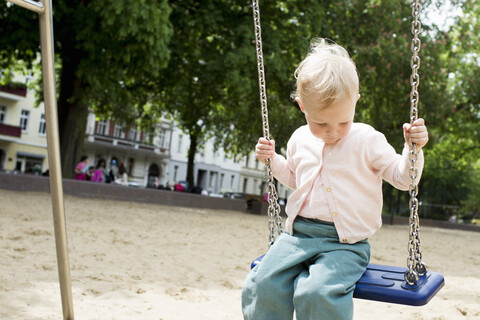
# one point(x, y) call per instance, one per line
point(72, 135)
point(72, 118)
point(191, 158)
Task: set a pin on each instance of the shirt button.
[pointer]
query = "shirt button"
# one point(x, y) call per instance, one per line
point(344, 240)
point(335, 214)
point(329, 189)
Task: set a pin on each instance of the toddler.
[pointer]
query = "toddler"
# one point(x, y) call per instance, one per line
point(335, 167)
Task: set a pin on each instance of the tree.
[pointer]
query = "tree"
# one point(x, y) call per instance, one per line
point(109, 52)
point(210, 85)
point(452, 170)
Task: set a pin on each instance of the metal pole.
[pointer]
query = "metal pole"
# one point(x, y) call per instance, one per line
point(56, 187)
point(53, 147)
point(30, 5)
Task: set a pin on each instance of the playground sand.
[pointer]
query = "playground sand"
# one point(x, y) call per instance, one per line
point(141, 261)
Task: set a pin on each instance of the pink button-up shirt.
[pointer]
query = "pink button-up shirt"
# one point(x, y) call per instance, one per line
point(316, 205)
point(352, 173)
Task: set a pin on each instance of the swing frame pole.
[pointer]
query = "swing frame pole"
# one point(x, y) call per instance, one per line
point(44, 9)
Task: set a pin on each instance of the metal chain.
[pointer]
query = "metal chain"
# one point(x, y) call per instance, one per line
point(415, 265)
point(275, 220)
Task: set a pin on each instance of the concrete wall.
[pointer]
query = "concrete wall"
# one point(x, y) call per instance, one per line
point(86, 189)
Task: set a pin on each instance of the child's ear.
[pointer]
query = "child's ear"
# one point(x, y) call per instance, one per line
point(300, 104)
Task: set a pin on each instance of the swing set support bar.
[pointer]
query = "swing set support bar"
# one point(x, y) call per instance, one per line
point(44, 9)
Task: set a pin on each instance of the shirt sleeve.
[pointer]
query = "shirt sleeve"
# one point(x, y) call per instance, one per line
point(284, 169)
point(392, 167)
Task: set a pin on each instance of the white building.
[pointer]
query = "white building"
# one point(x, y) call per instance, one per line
point(254, 178)
point(23, 142)
point(214, 170)
point(144, 155)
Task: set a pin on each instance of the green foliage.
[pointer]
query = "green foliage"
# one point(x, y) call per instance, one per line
point(378, 36)
point(471, 203)
point(20, 36)
point(450, 181)
point(451, 170)
point(123, 47)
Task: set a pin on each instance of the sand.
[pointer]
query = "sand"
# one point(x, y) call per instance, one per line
point(141, 261)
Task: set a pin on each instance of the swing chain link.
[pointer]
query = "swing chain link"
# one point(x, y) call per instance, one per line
point(415, 265)
point(275, 220)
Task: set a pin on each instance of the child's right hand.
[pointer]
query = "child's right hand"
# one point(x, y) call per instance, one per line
point(265, 149)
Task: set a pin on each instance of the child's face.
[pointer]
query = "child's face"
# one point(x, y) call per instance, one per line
point(332, 123)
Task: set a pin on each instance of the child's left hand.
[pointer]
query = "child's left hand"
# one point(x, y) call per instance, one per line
point(416, 133)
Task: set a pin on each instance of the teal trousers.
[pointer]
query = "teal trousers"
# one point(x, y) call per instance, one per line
point(310, 273)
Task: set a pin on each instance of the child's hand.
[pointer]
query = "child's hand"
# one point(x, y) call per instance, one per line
point(416, 133)
point(265, 149)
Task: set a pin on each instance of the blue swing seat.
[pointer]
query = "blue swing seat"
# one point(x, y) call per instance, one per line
point(387, 284)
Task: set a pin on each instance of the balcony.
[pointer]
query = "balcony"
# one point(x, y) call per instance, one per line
point(12, 131)
point(117, 142)
point(13, 91)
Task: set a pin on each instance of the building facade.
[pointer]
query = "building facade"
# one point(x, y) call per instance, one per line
point(253, 178)
point(23, 141)
point(214, 170)
point(151, 159)
point(145, 155)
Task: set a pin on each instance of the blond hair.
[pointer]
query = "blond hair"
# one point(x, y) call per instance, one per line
point(327, 72)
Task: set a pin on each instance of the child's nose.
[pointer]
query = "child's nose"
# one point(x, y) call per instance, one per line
point(332, 129)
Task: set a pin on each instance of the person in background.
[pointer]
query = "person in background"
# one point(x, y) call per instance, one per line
point(112, 174)
point(81, 169)
point(37, 169)
point(122, 177)
point(99, 174)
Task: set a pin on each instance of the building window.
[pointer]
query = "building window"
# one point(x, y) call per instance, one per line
point(102, 127)
point(3, 113)
point(118, 131)
point(213, 176)
point(180, 142)
point(245, 181)
point(175, 173)
point(133, 134)
point(246, 161)
point(42, 128)
point(131, 163)
point(147, 138)
point(24, 117)
point(232, 181)
point(222, 177)
point(28, 164)
point(161, 138)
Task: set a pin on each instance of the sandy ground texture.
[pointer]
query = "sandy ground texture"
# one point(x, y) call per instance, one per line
point(141, 261)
